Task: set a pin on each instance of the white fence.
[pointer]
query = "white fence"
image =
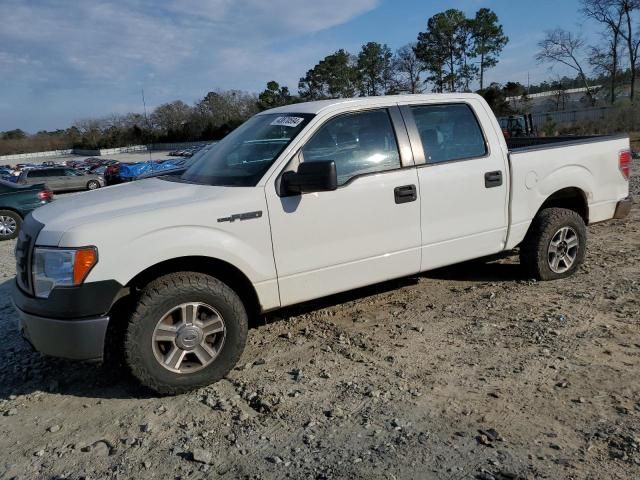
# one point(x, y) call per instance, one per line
point(110, 151)
point(570, 117)
point(28, 156)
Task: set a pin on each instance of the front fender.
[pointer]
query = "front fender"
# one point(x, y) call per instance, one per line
point(196, 240)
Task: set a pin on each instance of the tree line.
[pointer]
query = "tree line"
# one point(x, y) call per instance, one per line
point(615, 57)
point(452, 54)
point(449, 55)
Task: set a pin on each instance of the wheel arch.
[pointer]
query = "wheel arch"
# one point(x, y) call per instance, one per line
point(571, 198)
point(223, 271)
point(14, 210)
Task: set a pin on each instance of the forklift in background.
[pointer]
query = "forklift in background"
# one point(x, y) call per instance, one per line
point(515, 126)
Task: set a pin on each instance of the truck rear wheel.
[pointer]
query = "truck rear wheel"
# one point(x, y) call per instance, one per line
point(188, 330)
point(555, 245)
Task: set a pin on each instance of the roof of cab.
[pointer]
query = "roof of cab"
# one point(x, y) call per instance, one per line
point(339, 103)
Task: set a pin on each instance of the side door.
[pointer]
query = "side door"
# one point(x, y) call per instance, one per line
point(74, 180)
point(55, 179)
point(463, 182)
point(33, 177)
point(365, 231)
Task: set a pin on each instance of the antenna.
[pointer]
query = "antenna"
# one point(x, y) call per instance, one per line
point(146, 119)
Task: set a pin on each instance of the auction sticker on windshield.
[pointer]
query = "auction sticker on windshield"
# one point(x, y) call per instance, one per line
point(287, 121)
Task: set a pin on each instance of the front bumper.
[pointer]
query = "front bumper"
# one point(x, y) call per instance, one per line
point(92, 299)
point(623, 208)
point(75, 339)
point(71, 323)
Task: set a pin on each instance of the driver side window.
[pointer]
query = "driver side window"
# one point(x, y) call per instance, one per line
point(359, 143)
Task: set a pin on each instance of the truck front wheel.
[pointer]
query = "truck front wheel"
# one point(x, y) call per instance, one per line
point(555, 245)
point(187, 331)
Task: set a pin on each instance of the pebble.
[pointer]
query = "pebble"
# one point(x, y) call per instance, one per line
point(274, 459)
point(54, 428)
point(335, 413)
point(100, 448)
point(202, 456)
point(11, 412)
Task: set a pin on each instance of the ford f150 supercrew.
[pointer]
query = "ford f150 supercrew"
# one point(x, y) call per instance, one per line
point(301, 202)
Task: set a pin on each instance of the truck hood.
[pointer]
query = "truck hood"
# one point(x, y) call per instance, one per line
point(115, 203)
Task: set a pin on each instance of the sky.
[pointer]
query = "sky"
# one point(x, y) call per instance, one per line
point(62, 60)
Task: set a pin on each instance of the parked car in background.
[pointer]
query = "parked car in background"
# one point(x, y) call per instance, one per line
point(61, 179)
point(16, 201)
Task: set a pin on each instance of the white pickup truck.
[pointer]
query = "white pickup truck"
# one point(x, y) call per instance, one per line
point(301, 202)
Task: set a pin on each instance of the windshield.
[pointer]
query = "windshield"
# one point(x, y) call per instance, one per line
point(243, 156)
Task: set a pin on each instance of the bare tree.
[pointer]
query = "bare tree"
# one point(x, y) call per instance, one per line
point(632, 38)
point(606, 60)
point(409, 69)
point(563, 47)
point(560, 96)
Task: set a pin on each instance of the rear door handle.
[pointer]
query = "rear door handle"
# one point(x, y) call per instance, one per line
point(493, 179)
point(405, 194)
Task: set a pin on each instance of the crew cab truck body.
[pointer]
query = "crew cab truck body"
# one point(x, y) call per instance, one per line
point(301, 202)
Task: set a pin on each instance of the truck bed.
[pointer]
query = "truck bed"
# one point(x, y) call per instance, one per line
point(543, 166)
point(531, 143)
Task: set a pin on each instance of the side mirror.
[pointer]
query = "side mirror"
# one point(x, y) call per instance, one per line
point(311, 177)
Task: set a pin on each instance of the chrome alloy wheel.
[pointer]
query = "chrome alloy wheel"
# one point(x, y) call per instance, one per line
point(563, 250)
point(188, 337)
point(8, 225)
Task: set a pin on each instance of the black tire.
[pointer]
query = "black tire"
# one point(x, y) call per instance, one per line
point(535, 254)
point(158, 298)
point(93, 185)
point(10, 224)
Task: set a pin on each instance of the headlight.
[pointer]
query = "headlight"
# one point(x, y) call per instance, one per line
point(53, 267)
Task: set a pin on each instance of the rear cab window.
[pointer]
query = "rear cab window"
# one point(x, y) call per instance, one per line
point(449, 132)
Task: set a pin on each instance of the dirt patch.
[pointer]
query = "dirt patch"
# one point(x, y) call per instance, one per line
point(472, 371)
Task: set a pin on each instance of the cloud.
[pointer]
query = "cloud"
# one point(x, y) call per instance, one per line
point(98, 54)
point(102, 40)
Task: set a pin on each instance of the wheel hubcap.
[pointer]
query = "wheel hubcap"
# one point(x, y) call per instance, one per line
point(188, 337)
point(7, 225)
point(563, 250)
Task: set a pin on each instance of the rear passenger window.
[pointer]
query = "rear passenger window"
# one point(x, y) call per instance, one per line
point(449, 132)
point(37, 174)
point(359, 143)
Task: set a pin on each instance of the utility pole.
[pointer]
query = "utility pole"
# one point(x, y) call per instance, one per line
point(146, 119)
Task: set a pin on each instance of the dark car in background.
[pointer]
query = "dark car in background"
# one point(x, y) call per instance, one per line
point(61, 179)
point(16, 201)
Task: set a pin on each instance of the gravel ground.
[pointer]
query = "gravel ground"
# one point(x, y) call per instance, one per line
point(472, 371)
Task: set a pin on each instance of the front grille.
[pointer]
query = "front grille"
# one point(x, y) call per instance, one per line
point(24, 251)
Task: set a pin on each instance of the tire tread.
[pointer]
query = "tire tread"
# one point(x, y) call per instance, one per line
point(176, 283)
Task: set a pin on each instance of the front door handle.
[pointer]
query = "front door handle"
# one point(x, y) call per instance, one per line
point(405, 194)
point(493, 179)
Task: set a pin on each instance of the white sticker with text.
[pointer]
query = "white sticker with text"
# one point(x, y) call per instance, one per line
point(287, 121)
